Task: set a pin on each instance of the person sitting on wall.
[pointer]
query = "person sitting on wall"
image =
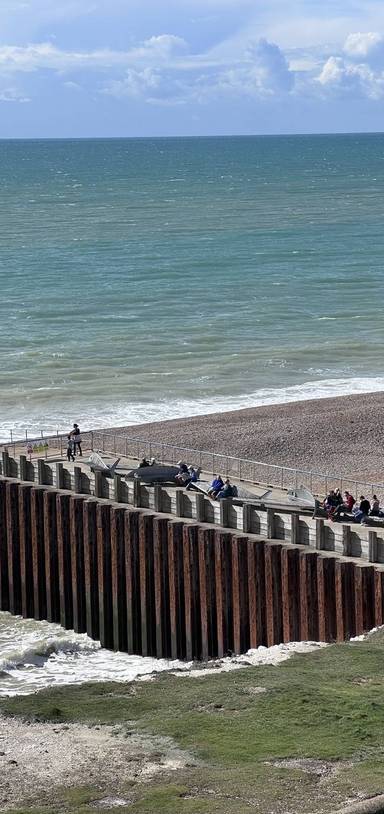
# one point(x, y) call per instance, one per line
point(330, 503)
point(361, 512)
point(144, 463)
point(216, 486)
point(375, 507)
point(226, 491)
point(345, 507)
point(193, 476)
point(182, 476)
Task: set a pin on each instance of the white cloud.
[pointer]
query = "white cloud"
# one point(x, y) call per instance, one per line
point(363, 46)
point(344, 77)
point(12, 95)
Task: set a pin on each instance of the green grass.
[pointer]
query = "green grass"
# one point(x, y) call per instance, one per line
point(328, 705)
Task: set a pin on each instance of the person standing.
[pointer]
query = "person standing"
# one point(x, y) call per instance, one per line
point(70, 448)
point(76, 435)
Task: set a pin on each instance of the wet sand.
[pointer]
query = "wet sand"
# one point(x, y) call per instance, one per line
point(339, 435)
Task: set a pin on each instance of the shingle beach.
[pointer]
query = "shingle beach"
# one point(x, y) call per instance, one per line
point(339, 435)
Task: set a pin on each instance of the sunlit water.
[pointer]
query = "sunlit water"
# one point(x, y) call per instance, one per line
point(151, 278)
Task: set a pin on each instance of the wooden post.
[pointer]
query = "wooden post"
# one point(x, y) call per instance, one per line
point(77, 564)
point(12, 515)
point(64, 560)
point(160, 564)
point(273, 594)
point(176, 589)
point(309, 611)
point(345, 606)
point(290, 586)
point(104, 574)
point(132, 580)
point(326, 598)
point(25, 538)
point(5, 463)
point(256, 593)
point(38, 552)
point(119, 604)
point(90, 569)
point(191, 592)
point(379, 597)
point(147, 587)
point(241, 641)
point(207, 593)
point(4, 585)
point(223, 574)
point(51, 557)
point(224, 505)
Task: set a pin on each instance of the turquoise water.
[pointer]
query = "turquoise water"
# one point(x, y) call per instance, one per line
point(159, 277)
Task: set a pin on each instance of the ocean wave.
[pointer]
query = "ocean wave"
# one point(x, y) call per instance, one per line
point(101, 415)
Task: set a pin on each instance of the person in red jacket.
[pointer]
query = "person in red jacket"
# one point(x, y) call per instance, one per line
point(345, 507)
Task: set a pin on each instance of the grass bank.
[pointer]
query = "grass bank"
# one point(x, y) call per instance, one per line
point(306, 736)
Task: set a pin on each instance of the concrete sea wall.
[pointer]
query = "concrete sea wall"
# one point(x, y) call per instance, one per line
point(145, 583)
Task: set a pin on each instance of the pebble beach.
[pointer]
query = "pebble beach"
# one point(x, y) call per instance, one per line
point(338, 436)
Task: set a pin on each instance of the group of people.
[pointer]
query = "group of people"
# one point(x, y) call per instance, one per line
point(74, 443)
point(220, 490)
point(186, 474)
point(337, 505)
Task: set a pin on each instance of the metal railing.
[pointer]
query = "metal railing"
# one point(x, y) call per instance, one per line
point(272, 475)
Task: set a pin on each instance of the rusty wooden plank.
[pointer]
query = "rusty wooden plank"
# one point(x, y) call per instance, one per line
point(4, 586)
point(358, 600)
point(256, 593)
point(64, 560)
point(147, 587)
point(326, 599)
point(25, 537)
point(132, 580)
point(368, 591)
point(103, 519)
point(90, 568)
point(160, 567)
point(12, 519)
point(207, 593)
point(119, 603)
point(379, 597)
point(176, 589)
point(290, 587)
point(241, 639)
point(191, 592)
point(223, 579)
point(38, 552)
point(51, 558)
point(77, 563)
point(345, 610)
point(309, 611)
point(274, 609)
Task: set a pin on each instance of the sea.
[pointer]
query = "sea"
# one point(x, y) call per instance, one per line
point(146, 279)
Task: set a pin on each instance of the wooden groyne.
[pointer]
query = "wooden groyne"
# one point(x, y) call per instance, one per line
point(149, 584)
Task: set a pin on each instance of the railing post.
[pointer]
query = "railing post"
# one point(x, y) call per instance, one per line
point(270, 524)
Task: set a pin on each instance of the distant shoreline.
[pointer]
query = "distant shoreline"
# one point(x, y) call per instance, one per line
point(340, 435)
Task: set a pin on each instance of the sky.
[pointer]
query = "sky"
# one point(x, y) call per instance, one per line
point(82, 68)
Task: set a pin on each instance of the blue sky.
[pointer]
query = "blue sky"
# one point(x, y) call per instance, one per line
point(190, 67)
